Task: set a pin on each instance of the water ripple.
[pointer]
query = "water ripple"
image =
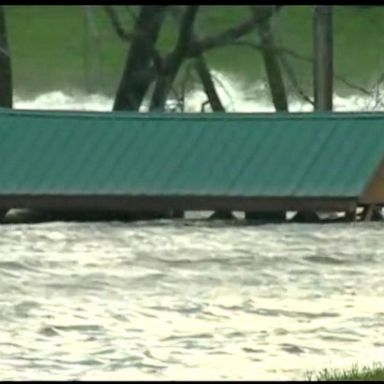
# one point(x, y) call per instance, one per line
point(165, 300)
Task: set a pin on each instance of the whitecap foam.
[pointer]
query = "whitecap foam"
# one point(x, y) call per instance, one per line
point(235, 94)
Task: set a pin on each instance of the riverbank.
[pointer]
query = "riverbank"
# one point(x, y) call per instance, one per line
point(355, 373)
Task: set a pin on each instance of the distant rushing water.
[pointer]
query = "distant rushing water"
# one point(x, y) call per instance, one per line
point(188, 300)
point(234, 95)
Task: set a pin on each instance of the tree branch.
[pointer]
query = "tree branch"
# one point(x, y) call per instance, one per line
point(209, 86)
point(130, 36)
point(294, 81)
point(185, 35)
point(271, 56)
point(306, 59)
point(223, 38)
point(174, 60)
point(139, 69)
point(233, 33)
point(116, 24)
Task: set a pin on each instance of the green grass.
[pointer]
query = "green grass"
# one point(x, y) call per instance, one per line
point(51, 46)
point(356, 373)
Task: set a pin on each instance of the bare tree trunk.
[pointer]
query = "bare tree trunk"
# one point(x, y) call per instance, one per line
point(270, 57)
point(138, 71)
point(322, 73)
point(323, 57)
point(202, 70)
point(5, 64)
point(174, 61)
point(144, 64)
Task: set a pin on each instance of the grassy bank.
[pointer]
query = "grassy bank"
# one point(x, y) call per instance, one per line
point(64, 47)
point(366, 373)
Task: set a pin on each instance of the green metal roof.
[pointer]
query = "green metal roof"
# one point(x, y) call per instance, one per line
point(68, 153)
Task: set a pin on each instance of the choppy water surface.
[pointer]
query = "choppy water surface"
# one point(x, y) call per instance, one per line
point(188, 300)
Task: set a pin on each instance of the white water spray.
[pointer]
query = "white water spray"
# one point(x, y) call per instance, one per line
point(236, 96)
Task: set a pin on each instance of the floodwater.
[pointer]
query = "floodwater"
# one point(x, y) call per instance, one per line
point(188, 299)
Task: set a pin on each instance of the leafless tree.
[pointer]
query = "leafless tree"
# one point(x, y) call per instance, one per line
point(147, 69)
point(142, 57)
point(5, 64)
point(162, 70)
point(271, 57)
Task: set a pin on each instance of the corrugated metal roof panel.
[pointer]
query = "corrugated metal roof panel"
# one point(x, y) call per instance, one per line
point(331, 155)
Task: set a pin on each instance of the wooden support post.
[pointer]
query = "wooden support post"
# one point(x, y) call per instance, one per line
point(177, 214)
point(350, 216)
point(372, 212)
point(367, 212)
